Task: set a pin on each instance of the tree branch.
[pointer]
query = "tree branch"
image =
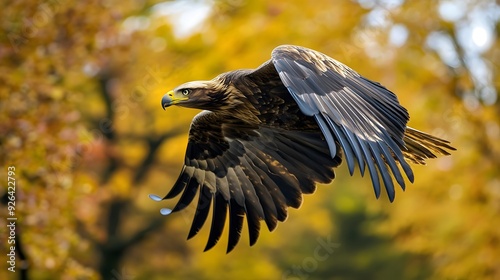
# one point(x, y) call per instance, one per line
point(154, 145)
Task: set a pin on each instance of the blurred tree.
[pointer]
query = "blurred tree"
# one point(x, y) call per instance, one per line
point(81, 122)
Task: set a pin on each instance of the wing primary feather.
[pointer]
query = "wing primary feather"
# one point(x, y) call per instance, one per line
point(218, 221)
point(382, 167)
point(253, 223)
point(389, 159)
point(344, 142)
point(371, 167)
point(180, 184)
point(201, 214)
point(328, 135)
point(406, 167)
point(236, 217)
point(188, 195)
point(357, 149)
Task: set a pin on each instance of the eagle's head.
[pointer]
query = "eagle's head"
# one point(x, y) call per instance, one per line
point(205, 95)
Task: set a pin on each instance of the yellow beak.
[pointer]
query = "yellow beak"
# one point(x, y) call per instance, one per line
point(170, 99)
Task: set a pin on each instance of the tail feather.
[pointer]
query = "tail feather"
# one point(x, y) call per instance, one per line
point(421, 146)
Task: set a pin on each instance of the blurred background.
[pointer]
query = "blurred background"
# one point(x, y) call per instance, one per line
point(81, 122)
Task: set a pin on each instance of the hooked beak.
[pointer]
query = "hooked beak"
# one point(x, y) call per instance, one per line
point(170, 99)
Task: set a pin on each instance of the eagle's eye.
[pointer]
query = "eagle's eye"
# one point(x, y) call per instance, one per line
point(186, 91)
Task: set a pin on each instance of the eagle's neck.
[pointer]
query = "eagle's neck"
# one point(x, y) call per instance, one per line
point(233, 103)
point(238, 106)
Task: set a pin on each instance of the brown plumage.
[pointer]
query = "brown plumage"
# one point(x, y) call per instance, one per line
point(267, 136)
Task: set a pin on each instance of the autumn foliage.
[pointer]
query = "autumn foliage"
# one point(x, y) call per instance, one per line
point(81, 122)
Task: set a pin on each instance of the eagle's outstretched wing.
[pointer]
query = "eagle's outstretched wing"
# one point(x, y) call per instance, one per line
point(250, 170)
point(363, 116)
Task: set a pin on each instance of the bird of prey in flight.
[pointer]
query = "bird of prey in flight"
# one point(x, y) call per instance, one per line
point(268, 135)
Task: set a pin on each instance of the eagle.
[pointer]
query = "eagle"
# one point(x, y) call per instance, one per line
point(268, 135)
